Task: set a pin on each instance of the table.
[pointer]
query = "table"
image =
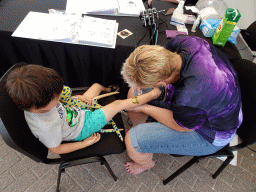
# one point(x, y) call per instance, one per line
point(229, 49)
point(79, 65)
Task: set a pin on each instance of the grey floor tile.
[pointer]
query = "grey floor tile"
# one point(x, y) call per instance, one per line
point(200, 186)
point(241, 186)
point(127, 183)
point(111, 159)
point(220, 186)
point(22, 166)
point(6, 179)
point(5, 150)
point(118, 168)
point(44, 183)
point(8, 161)
point(181, 187)
point(187, 176)
point(164, 159)
point(253, 183)
point(123, 157)
point(203, 174)
point(248, 154)
point(225, 175)
point(143, 188)
point(1, 139)
point(67, 182)
point(52, 189)
point(248, 165)
point(40, 169)
point(22, 183)
point(161, 171)
point(97, 188)
point(76, 188)
point(149, 179)
point(162, 188)
point(82, 177)
point(100, 173)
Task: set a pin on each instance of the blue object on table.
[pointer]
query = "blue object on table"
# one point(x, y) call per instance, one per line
point(209, 26)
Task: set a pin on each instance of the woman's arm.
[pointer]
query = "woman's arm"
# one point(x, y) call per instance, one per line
point(164, 116)
point(70, 147)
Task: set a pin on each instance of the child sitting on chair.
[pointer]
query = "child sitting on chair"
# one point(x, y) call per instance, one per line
point(37, 91)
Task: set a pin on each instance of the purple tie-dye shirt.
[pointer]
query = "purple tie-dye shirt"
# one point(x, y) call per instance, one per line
point(207, 96)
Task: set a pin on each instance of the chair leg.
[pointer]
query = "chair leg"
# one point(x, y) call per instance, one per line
point(61, 170)
point(180, 170)
point(222, 167)
point(109, 169)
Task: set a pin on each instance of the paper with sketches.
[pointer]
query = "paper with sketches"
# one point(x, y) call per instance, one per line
point(68, 29)
point(97, 31)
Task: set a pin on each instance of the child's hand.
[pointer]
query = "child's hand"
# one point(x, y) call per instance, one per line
point(94, 138)
point(85, 99)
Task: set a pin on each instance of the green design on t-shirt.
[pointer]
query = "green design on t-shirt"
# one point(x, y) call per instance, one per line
point(70, 115)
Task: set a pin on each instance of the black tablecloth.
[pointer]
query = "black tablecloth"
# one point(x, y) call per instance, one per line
point(79, 65)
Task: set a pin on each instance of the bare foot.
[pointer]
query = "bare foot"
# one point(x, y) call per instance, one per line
point(135, 168)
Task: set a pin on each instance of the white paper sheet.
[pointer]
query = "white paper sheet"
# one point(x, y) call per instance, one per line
point(232, 143)
point(108, 7)
point(105, 7)
point(68, 29)
point(130, 7)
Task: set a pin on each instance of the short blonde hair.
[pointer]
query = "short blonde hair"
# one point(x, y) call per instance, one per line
point(147, 65)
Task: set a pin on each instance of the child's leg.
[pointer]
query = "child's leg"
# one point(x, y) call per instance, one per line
point(113, 108)
point(95, 90)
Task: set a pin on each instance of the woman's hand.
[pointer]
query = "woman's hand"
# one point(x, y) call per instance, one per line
point(85, 99)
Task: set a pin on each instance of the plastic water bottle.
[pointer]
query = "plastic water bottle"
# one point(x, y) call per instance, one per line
point(197, 21)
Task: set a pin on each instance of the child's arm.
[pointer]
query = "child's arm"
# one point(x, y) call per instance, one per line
point(113, 108)
point(70, 147)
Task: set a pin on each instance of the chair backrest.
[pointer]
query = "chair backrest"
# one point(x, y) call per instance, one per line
point(15, 131)
point(246, 72)
point(249, 36)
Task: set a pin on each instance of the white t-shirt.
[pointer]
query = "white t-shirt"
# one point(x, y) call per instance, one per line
point(62, 123)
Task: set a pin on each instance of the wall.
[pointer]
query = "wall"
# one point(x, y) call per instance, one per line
point(247, 9)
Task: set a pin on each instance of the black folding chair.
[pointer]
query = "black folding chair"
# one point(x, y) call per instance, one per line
point(246, 71)
point(18, 136)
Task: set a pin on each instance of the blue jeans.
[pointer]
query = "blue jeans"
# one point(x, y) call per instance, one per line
point(158, 138)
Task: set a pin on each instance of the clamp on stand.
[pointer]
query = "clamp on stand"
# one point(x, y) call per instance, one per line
point(150, 19)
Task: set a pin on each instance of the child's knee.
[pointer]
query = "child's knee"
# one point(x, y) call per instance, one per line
point(96, 85)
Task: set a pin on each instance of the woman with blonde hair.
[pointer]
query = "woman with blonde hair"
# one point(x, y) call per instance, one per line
point(201, 110)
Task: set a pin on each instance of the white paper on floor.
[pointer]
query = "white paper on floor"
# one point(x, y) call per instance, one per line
point(232, 143)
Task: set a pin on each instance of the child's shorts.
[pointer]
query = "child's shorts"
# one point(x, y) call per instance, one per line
point(93, 122)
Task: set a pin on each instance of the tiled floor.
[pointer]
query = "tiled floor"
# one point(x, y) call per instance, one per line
point(19, 173)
